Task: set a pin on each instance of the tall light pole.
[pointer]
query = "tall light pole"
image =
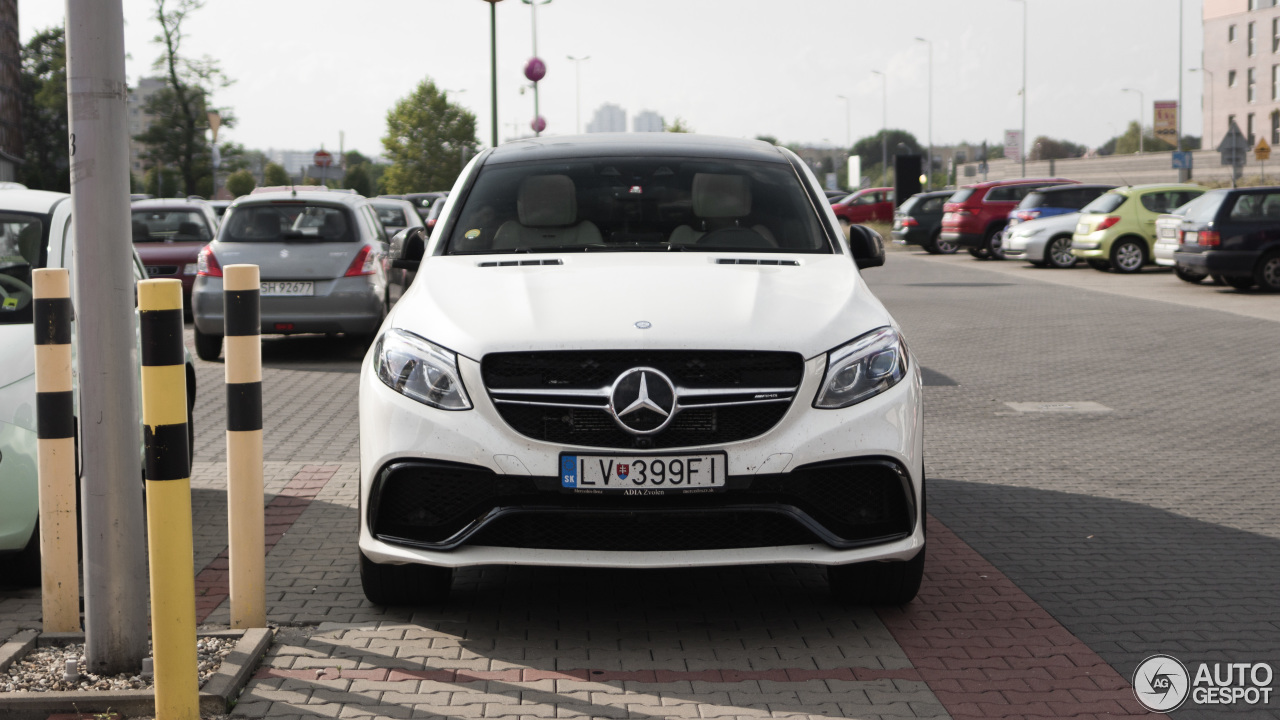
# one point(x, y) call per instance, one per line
point(848, 122)
point(1142, 104)
point(577, 71)
point(884, 126)
point(1212, 141)
point(535, 73)
point(1022, 150)
point(928, 174)
point(493, 68)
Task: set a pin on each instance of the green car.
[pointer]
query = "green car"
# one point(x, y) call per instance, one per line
point(1117, 231)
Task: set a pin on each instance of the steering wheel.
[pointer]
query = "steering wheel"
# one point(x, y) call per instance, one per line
point(23, 290)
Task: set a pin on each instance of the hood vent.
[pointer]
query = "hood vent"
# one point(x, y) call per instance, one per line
point(753, 261)
point(519, 263)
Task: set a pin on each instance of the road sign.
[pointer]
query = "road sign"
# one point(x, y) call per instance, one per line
point(1234, 147)
point(1181, 161)
point(1013, 145)
point(1166, 121)
point(1263, 151)
point(323, 158)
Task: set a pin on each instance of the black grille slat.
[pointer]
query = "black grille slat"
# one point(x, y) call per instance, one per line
point(593, 370)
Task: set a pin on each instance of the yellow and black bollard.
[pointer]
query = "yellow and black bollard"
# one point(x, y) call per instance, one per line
point(246, 530)
point(168, 471)
point(56, 444)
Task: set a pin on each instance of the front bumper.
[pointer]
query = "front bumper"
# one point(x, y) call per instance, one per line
point(351, 305)
point(884, 432)
point(910, 236)
point(1026, 247)
point(1219, 262)
point(1162, 253)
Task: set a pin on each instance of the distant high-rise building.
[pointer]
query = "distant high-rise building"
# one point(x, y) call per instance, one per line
point(608, 118)
point(10, 77)
point(647, 121)
point(139, 120)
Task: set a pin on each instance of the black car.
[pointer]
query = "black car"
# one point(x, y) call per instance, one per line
point(918, 221)
point(1233, 234)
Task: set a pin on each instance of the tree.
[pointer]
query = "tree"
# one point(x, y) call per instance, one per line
point(274, 174)
point(240, 182)
point(1047, 148)
point(161, 181)
point(357, 178)
point(180, 110)
point(428, 139)
point(869, 149)
point(1127, 142)
point(42, 88)
point(679, 125)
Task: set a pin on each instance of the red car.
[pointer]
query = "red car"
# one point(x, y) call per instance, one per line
point(870, 205)
point(975, 213)
point(169, 234)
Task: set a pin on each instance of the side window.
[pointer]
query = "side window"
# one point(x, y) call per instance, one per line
point(931, 206)
point(1159, 202)
point(1184, 197)
point(1257, 207)
point(371, 223)
point(999, 194)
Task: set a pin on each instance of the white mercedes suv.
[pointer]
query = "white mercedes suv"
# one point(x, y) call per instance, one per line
point(643, 350)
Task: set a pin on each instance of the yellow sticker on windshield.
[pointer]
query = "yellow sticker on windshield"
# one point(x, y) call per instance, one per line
point(472, 234)
point(10, 303)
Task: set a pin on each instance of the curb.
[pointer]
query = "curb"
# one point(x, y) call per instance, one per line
point(216, 696)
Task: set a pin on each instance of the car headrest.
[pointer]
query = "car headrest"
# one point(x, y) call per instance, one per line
point(721, 196)
point(141, 231)
point(190, 229)
point(547, 201)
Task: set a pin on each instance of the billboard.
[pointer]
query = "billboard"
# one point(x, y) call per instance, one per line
point(1166, 121)
point(1013, 145)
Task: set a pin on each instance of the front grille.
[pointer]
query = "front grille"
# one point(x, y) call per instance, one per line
point(562, 397)
point(441, 505)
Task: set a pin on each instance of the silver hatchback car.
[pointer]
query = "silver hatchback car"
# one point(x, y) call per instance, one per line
point(321, 256)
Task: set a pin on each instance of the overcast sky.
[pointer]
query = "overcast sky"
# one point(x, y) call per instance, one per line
point(305, 70)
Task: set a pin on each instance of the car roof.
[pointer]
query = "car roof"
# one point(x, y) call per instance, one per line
point(655, 144)
point(1130, 189)
point(934, 193)
point(320, 196)
point(178, 203)
point(1017, 181)
point(1076, 186)
point(29, 201)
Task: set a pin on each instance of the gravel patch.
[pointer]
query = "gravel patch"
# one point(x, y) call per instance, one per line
point(43, 669)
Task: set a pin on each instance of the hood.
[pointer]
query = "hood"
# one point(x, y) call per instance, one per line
point(594, 301)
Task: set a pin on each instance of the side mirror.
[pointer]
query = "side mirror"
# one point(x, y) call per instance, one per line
point(407, 248)
point(867, 246)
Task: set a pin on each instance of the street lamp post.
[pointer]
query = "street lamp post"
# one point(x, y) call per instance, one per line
point(535, 70)
point(493, 68)
point(848, 122)
point(1212, 142)
point(1141, 105)
point(577, 71)
point(884, 126)
point(929, 172)
point(1023, 146)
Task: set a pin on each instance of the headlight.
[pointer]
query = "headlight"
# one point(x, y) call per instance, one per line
point(420, 370)
point(863, 368)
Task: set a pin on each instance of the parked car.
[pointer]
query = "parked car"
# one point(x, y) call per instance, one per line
point(169, 234)
point(422, 201)
point(1118, 230)
point(835, 195)
point(434, 211)
point(918, 221)
point(36, 231)
point(1043, 242)
point(754, 403)
point(1167, 241)
point(864, 206)
point(397, 215)
point(320, 257)
point(1055, 200)
point(1235, 234)
point(975, 213)
point(220, 207)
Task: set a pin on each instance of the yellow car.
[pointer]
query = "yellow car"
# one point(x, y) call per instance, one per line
point(1117, 231)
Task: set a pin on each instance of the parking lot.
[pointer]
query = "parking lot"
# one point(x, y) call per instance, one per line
point(1070, 541)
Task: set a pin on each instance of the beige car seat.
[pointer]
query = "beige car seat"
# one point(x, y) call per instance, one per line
point(719, 201)
point(547, 208)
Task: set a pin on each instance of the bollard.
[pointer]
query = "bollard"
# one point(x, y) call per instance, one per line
point(168, 472)
point(246, 529)
point(56, 443)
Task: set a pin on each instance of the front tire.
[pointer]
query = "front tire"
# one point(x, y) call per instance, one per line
point(1239, 282)
point(877, 583)
point(1128, 256)
point(944, 247)
point(208, 347)
point(1268, 273)
point(404, 584)
point(1057, 254)
point(1190, 276)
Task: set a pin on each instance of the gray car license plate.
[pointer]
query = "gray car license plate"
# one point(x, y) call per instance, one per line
point(269, 289)
point(643, 474)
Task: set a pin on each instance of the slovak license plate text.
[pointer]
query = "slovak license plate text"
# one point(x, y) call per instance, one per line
point(287, 288)
point(643, 474)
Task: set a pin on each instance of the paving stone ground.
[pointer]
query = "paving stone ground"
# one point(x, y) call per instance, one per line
point(1066, 548)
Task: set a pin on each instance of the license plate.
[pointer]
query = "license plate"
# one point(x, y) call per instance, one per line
point(1167, 232)
point(643, 474)
point(1191, 238)
point(287, 288)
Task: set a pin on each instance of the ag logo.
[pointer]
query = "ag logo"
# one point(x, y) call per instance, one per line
point(1161, 683)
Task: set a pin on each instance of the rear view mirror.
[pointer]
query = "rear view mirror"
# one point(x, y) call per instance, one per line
point(867, 246)
point(407, 248)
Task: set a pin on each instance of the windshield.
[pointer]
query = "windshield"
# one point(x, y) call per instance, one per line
point(287, 220)
point(22, 248)
point(391, 215)
point(1203, 208)
point(905, 208)
point(174, 225)
point(638, 204)
point(1105, 203)
point(1033, 200)
point(960, 195)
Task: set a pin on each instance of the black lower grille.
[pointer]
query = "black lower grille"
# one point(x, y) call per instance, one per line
point(843, 504)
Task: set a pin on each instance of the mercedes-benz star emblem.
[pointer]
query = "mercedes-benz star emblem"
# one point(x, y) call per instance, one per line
point(644, 324)
point(642, 401)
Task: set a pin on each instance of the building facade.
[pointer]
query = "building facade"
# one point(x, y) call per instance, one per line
point(647, 121)
point(1241, 71)
point(608, 118)
point(139, 120)
point(10, 74)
